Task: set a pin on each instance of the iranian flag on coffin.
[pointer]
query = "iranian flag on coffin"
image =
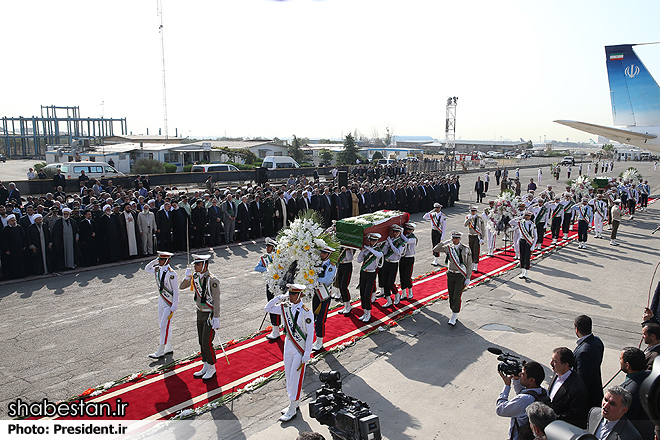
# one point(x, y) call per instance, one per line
point(352, 231)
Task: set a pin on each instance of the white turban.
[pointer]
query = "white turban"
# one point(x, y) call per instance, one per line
point(106, 207)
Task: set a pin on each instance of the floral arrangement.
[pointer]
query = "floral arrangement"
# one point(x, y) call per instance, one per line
point(630, 175)
point(299, 247)
point(375, 217)
point(581, 186)
point(502, 212)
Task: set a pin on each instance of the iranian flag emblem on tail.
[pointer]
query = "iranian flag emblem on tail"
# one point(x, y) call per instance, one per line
point(616, 56)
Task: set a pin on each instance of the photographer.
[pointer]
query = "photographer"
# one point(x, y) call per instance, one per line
point(528, 390)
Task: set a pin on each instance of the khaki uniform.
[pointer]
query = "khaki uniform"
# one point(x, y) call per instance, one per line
point(456, 274)
point(207, 298)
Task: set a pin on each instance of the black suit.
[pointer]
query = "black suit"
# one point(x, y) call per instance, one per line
point(336, 206)
point(570, 401)
point(242, 221)
point(87, 242)
point(164, 225)
point(326, 209)
point(215, 223)
point(255, 219)
point(623, 430)
point(588, 357)
point(650, 357)
point(59, 180)
point(636, 413)
point(479, 189)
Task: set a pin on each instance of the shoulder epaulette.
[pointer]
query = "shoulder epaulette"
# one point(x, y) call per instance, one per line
point(305, 308)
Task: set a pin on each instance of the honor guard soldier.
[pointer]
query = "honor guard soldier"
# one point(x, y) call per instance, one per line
point(644, 190)
point(207, 298)
point(475, 225)
point(459, 270)
point(299, 324)
point(168, 299)
point(344, 272)
point(528, 236)
point(600, 215)
point(616, 220)
point(567, 223)
point(262, 266)
point(540, 213)
point(371, 258)
point(516, 233)
point(407, 260)
point(438, 227)
point(555, 217)
point(584, 215)
point(491, 235)
point(321, 300)
point(392, 251)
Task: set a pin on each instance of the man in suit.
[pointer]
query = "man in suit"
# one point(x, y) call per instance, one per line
point(255, 217)
point(87, 232)
point(651, 335)
point(479, 189)
point(164, 228)
point(59, 179)
point(633, 363)
point(336, 205)
point(326, 207)
point(280, 212)
point(243, 218)
point(292, 207)
point(363, 201)
point(609, 421)
point(229, 218)
point(215, 222)
point(588, 357)
point(567, 391)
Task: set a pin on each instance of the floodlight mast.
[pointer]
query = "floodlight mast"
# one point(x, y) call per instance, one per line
point(450, 130)
point(159, 6)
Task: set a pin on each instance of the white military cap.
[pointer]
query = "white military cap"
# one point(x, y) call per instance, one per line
point(295, 288)
point(164, 254)
point(410, 226)
point(437, 205)
point(397, 228)
point(200, 258)
point(271, 242)
point(373, 236)
point(474, 208)
point(328, 249)
point(527, 213)
point(456, 234)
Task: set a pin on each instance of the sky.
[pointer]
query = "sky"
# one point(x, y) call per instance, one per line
point(322, 68)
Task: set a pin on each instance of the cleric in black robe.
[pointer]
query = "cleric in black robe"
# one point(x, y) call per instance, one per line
point(87, 231)
point(66, 253)
point(13, 243)
point(108, 237)
point(40, 245)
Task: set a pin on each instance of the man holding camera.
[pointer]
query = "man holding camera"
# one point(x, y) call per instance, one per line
point(528, 390)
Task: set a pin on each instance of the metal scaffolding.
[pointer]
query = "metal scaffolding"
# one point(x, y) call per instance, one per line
point(28, 137)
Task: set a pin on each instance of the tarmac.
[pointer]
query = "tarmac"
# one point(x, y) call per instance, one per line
point(423, 378)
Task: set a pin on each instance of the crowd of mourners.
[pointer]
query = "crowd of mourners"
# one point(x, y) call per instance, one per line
point(88, 221)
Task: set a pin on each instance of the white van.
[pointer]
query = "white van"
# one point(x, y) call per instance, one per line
point(279, 162)
point(93, 170)
point(212, 167)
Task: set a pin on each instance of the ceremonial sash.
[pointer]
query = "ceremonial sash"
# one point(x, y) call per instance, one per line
point(599, 208)
point(367, 261)
point(555, 212)
point(474, 225)
point(611, 197)
point(342, 255)
point(540, 215)
point(527, 235)
point(584, 213)
point(266, 260)
point(323, 291)
point(291, 324)
point(397, 243)
point(164, 291)
point(436, 222)
point(200, 291)
point(456, 258)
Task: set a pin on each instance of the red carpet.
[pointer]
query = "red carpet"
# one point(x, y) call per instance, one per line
point(162, 395)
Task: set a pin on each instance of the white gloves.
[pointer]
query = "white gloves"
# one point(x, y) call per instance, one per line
point(467, 282)
point(173, 308)
point(306, 358)
point(188, 273)
point(481, 242)
point(215, 323)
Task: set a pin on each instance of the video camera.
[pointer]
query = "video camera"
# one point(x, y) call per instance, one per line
point(347, 418)
point(509, 365)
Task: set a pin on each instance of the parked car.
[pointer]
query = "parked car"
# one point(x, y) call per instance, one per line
point(489, 161)
point(3, 158)
point(386, 162)
point(568, 160)
point(93, 170)
point(279, 162)
point(212, 167)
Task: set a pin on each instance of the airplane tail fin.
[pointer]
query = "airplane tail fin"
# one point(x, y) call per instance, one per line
point(634, 93)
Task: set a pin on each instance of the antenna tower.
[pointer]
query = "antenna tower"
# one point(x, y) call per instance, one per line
point(162, 52)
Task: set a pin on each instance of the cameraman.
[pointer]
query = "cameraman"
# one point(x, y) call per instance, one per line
point(528, 390)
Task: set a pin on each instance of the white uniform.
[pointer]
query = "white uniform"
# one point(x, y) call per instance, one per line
point(600, 216)
point(299, 323)
point(491, 235)
point(168, 300)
